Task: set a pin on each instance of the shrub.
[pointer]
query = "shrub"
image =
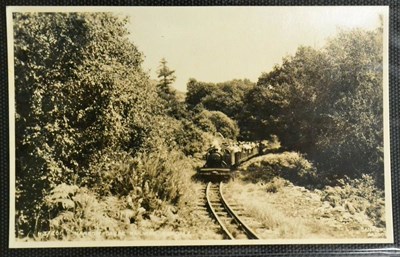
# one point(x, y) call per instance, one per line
point(71, 102)
point(79, 213)
point(275, 185)
point(130, 190)
point(112, 172)
point(191, 139)
point(216, 121)
point(289, 165)
point(359, 195)
point(149, 179)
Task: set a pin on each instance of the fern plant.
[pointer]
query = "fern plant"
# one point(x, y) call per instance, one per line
point(77, 212)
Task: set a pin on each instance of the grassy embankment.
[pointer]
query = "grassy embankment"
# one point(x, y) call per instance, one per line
point(268, 188)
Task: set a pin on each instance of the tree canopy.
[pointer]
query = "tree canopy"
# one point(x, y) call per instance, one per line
point(326, 103)
point(226, 97)
point(166, 76)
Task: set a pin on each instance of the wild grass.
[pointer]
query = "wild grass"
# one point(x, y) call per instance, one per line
point(275, 223)
point(286, 211)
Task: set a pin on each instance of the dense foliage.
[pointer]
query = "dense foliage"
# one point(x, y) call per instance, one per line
point(217, 122)
point(327, 103)
point(226, 97)
point(87, 116)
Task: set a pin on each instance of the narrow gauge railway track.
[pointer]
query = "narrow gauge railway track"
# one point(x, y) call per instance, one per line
point(232, 226)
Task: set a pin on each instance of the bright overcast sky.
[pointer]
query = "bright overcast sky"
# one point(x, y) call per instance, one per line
point(216, 44)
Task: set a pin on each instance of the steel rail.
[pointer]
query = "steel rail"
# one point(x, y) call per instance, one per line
point(249, 232)
point(211, 208)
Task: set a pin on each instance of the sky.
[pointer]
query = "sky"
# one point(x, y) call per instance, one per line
point(217, 44)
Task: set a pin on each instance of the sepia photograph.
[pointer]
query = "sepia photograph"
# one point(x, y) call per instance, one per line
point(145, 126)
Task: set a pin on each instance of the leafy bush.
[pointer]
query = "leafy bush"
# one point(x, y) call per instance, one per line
point(111, 174)
point(79, 90)
point(150, 180)
point(216, 121)
point(190, 138)
point(358, 195)
point(275, 185)
point(79, 213)
point(87, 115)
point(226, 97)
point(289, 165)
point(131, 190)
